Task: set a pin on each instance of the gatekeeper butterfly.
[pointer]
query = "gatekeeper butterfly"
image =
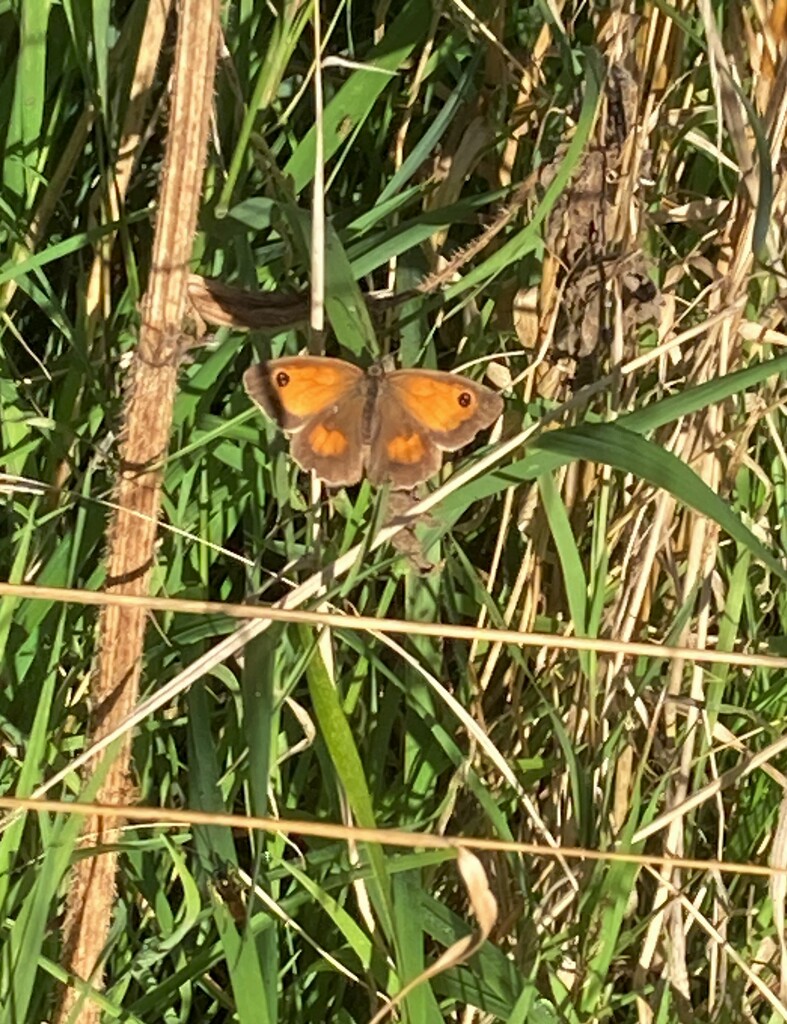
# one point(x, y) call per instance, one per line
point(394, 425)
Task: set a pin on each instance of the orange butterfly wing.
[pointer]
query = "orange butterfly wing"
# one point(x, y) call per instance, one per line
point(452, 408)
point(293, 390)
point(422, 413)
point(320, 401)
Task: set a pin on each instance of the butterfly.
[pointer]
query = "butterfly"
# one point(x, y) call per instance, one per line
point(395, 424)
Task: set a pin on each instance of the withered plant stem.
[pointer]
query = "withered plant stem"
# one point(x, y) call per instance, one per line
point(132, 533)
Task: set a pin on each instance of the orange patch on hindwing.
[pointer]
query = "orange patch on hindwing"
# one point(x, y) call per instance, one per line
point(326, 441)
point(406, 449)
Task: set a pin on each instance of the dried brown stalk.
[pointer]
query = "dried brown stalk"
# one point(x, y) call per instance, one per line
point(112, 194)
point(148, 417)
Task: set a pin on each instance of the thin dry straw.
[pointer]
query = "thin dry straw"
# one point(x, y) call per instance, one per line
point(369, 623)
point(384, 836)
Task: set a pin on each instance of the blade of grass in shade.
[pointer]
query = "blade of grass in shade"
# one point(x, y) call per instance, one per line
point(216, 847)
point(571, 564)
point(283, 36)
point(30, 774)
point(355, 100)
point(261, 726)
point(531, 1007)
point(102, 10)
point(423, 149)
point(530, 238)
point(383, 214)
point(214, 842)
point(174, 931)
point(16, 434)
point(344, 303)
point(437, 741)
point(261, 713)
point(581, 785)
point(562, 996)
point(355, 937)
point(88, 24)
point(24, 939)
point(693, 399)
point(88, 536)
point(598, 572)
point(8, 605)
point(421, 604)
point(195, 397)
point(657, 414)
point(341, 746)
point(494, 981)
point(31, 615)
point(109, 1006)
point(609, 896)
point(25, 119)
point(420, 1005)
point(397, 240)
point(764, 190)
point(245, 969)
point(10, 270)
point(651, 669)
point(729, 631)
point(185, 977)
point(597, 590)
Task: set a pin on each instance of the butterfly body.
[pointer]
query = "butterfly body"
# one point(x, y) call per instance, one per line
point(394, 425)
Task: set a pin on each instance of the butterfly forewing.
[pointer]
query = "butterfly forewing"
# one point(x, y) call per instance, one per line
point(291, 391)
point(320, 402)
point(451, 408)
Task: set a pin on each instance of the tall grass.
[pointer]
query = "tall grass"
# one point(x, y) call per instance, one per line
point(648, 506)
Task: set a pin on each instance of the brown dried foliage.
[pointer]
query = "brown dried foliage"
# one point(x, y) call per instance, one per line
point(147, 417)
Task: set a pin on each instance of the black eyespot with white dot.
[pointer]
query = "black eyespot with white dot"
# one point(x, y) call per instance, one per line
point(282, 379)
point(465, 399)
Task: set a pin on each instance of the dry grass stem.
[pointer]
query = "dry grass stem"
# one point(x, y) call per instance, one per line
point(147, 423)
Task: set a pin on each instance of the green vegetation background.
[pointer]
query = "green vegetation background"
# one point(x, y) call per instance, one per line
point(575, 748)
